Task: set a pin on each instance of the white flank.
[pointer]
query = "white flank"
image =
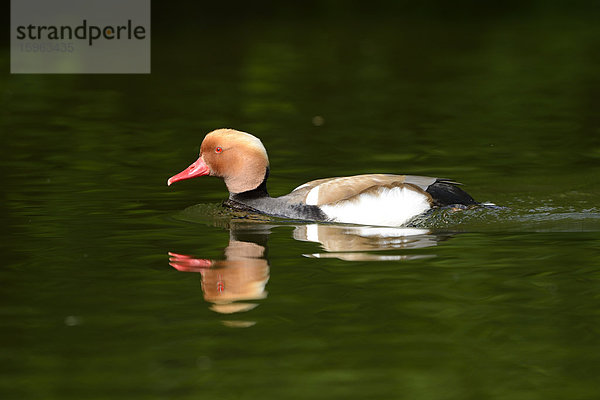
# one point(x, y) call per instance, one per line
point(312, 198)
point(386, 207)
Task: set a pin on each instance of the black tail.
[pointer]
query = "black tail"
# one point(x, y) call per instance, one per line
point(445, 193)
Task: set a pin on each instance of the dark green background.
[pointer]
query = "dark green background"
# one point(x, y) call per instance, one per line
point(502, 96)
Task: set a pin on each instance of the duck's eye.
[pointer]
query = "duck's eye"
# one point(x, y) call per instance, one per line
point(218, 149)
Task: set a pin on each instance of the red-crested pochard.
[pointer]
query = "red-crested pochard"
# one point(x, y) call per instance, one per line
point(240, 159)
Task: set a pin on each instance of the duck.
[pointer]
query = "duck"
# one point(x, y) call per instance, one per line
point(241, 160)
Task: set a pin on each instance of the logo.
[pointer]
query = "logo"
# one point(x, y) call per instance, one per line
point(83, 32)
point(75, 36)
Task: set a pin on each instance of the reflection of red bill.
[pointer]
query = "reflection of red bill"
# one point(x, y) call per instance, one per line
point(185, 263)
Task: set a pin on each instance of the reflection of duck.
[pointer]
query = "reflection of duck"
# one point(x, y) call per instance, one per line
point(233, 283)
point(351, 243)
point(242, 276)
point(375, 199)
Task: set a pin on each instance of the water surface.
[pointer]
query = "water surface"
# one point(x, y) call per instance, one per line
point(481, 303)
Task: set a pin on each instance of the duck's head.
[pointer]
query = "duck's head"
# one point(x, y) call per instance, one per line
point(238, 157)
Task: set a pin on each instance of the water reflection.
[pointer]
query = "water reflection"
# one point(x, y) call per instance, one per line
point(231, 284)
point(236, 283)
point(354, 243)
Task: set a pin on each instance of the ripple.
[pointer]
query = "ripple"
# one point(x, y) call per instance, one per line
point(543, 218)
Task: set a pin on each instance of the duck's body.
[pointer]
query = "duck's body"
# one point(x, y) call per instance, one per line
point(374, 199)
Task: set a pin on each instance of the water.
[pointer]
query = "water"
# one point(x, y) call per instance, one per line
point(480, 303)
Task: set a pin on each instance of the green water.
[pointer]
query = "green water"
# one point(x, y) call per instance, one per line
point(477, 304)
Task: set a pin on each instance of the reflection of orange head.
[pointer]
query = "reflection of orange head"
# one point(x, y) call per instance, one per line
point(231, 308)
point(243, 275)
point(234, 280)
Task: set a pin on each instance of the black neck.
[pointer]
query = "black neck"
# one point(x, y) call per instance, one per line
point(259, 192)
